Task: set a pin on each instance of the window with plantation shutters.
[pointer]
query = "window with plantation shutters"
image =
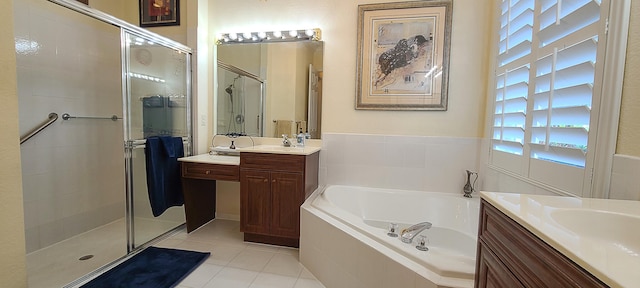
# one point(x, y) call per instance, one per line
point(512, 77)
point(548, 77)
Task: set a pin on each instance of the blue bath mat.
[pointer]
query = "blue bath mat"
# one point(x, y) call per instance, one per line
point(153, 267)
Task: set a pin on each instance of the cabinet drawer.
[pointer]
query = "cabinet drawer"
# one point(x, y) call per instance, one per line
point(491, 272)
point(210, 171)
point(273, 162)
point(531, 260)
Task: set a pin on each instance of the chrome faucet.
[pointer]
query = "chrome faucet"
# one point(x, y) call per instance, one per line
point(408, 234)
point(285, 141)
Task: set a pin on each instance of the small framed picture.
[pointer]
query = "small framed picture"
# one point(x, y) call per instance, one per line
point(403, 55)
point(159, 13)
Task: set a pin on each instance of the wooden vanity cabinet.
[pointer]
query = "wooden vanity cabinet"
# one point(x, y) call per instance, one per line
point(272, 188)
point(199, 190)
point(511, 256)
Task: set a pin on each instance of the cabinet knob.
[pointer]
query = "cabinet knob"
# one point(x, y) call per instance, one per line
point(265, 180)
point(207, 172)
point(274, 180)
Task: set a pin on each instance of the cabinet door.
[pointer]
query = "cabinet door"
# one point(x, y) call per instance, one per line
point(287, 194)
point(255, 201)
point(492, 273)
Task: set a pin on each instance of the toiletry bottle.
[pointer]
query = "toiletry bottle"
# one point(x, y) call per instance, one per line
point(307, 135)
point(300, 139)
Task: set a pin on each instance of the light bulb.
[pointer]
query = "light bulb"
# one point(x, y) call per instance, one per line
point(233, 36)
point(293, 33)
point(262, 35)
point(309, 32)
point(247, 35)
point(277, 34)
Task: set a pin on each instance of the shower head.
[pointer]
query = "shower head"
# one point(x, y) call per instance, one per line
point(229, 90)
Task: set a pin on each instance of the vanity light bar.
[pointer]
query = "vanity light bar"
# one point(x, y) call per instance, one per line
point(270, 36)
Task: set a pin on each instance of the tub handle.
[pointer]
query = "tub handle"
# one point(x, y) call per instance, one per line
point(393, 228)
point(422, 243)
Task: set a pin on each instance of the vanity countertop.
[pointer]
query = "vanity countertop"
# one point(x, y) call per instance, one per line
point(212, 159)
point(235, 160)
point(279, 149)
point(600, 235)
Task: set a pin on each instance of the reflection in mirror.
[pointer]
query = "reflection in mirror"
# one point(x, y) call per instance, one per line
point(290, 76)
point(241, 100)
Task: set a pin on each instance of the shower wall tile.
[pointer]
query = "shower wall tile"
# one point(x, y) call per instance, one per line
point(398, 162)
point(625, 178)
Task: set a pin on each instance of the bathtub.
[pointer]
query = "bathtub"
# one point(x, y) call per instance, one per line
point(347, 226)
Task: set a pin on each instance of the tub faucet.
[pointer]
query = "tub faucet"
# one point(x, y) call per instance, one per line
point(408, 234)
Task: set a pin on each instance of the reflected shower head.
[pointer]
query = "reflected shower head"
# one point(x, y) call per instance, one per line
point(229, 90)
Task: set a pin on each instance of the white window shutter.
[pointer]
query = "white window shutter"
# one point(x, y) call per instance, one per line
point(546, 79)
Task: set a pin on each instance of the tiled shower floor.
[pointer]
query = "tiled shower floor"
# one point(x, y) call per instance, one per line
point(233, 262)
point(58, 264)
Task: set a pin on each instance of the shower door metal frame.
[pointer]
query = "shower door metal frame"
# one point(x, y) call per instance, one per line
point(131, 144)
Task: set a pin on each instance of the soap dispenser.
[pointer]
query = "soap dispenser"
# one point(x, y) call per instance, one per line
point(300, 139)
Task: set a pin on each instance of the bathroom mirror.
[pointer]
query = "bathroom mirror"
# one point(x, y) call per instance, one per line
point(269, 89)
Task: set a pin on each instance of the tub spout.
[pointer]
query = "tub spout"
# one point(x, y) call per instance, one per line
point(411, 232)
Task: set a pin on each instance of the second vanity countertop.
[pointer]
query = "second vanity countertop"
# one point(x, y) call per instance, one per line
point(601, 235)
point(275, 149)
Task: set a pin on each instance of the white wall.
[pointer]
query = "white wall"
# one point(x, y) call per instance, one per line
point(337, 19)
point(626, 164)
point(13, 272)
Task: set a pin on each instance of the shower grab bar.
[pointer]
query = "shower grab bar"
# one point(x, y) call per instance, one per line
point(52, 118)
point(66, 116)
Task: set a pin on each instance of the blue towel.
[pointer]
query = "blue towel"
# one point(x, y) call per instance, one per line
point(163, 172)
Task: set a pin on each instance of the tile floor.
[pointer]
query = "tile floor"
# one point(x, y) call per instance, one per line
point(237, 264)
point(233, 262)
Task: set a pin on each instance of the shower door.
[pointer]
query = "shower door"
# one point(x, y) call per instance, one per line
point(73, 171)
point(157, 104)
point(81, 64)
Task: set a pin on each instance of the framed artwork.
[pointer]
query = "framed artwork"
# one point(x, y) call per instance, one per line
point(159, 13)
point(403, 55)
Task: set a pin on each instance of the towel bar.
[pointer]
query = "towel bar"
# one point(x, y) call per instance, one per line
point(66, 116)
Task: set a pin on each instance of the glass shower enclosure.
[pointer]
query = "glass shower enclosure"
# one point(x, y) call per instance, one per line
point(84, 176)
point(157, 85)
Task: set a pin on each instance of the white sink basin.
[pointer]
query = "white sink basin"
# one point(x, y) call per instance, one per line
point(619, 230)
